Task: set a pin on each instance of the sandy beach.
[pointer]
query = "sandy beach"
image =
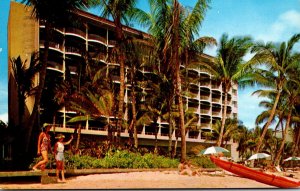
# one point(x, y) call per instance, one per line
point(145, 180)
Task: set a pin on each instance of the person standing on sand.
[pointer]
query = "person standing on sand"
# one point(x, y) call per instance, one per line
point(44, 146)
point(59, 156)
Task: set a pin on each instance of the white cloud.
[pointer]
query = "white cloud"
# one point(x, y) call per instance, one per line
point(211, 50)
point(287, 24)
point(292, 18)
point(4, 117)
point(0, 49)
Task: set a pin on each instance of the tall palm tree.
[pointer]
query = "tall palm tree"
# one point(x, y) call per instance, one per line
point(140, 55)
point(278, 61)
point(120, 12)
point(227, 68)
point(291, 92)
point(52, 13)
point(173, 30)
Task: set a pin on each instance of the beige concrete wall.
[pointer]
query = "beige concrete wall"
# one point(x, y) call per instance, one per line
point(22, 41)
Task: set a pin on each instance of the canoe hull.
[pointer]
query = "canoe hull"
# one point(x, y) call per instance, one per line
point(246, 172)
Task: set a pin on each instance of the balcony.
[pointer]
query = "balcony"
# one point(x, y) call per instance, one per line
point(52, 46)
point(205, 83)
point(73, 51)
point(55, 66)
point(100, 56)
point(112, 43)
point(204, 97)
point(216, 113)
point(216, 100)
point(75, 32)
point(205, 111)
point(97, 38)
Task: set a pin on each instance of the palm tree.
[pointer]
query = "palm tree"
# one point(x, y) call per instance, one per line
point(140, 55)
point(120, 11)
point(227, 68)
point(296, 139)
point(246, 141)
point(173, 39)
point(278, 60)
point(268, 105)
point(53, 13)
point(24, 75)
point(92, 105)
point(291, 92)
point(230, 130)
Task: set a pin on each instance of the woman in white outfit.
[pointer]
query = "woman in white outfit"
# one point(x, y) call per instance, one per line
point(59, 156)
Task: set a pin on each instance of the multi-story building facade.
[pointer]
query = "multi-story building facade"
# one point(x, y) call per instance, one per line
point(66, 50)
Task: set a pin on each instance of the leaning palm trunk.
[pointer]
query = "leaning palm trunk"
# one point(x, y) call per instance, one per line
point(265, 129)
point(224, 116)
point(182, 127)
point(38, 95)
point(278, 155)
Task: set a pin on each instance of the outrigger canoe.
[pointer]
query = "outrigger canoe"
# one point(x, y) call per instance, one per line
point(246, 172)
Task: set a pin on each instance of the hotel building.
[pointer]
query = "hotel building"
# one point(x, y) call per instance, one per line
point(67, 47)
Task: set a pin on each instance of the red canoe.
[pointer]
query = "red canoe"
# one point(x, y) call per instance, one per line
point(246, 172)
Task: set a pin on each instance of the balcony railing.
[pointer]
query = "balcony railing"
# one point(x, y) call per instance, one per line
point(55, 65)
point(73, 50)
point(217, 100)
point(101, 56)
point(203, 83)
point(53, 45)
point(216, 113)
point(97, 38)
point(204, 111)
point(76, 32)
point(112, 42)
point(202, 97)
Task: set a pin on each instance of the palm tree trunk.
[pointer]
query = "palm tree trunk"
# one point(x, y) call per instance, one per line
point(278, 155)
point(170, 130)
point(78, 137)
point(224, 116)
point(296, 148)
point(38, 95)
point(121, 60)
point(133, 96)
point(266, 126)
point(175, 145)
point(178, 79)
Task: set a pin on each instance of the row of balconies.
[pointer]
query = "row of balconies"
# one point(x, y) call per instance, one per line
point(105, 41)
point(191, 136)
point(76, 51)
point(85, 35)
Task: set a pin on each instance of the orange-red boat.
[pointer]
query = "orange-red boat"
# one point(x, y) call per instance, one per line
point(246, 172)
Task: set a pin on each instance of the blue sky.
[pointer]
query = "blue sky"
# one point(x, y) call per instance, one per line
point(266, 20)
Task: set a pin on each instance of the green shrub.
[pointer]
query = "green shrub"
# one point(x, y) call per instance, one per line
point(115, 159)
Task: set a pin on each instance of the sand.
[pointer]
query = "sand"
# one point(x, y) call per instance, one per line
point(146, 180)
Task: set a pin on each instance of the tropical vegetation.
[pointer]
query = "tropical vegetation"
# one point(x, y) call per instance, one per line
point(173, 46)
